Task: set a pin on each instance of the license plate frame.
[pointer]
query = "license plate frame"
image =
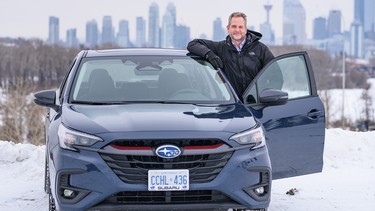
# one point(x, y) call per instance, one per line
point(168, 180)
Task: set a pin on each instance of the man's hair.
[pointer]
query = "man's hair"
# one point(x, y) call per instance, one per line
point(237, 14)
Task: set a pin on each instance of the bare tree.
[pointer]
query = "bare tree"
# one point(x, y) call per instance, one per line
point(357, 79)
point(21, 120)
point(35, 62)
point(326, 99)
point(35, 124)
point(367, 110)
point(372, 62)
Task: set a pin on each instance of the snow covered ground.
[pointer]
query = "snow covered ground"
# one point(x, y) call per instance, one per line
point(21, 176)
point(346, 183)
point(353, 103)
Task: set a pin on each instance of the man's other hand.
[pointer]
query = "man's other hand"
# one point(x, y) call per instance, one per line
point(214, 60)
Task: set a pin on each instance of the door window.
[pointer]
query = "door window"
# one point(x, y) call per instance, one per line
point(288, 74)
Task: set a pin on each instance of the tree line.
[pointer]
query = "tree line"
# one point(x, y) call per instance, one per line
point(34, 62)
point(27, 66)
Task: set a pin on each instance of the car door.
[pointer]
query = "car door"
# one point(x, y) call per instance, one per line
point(295, 130)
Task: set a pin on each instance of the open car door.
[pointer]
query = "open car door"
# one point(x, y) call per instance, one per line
point(284, 98)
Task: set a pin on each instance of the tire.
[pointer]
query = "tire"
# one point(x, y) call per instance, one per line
point(47, 182)
point(51, 203)
point(47, 188)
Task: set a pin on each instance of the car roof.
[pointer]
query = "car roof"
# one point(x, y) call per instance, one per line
point(136, 52)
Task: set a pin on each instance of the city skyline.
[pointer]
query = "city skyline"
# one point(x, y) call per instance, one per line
point(199, 19)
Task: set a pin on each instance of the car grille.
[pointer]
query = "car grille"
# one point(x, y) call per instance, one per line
point(167, 197)
point(178, 142)
point(133, 169)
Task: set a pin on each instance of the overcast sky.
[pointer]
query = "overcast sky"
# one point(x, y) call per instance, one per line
point(29, 18)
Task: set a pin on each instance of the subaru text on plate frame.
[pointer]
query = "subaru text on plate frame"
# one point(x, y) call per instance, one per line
point(161, 129)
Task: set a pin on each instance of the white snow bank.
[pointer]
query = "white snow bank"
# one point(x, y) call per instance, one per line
point(22, 177)
point(346, 183)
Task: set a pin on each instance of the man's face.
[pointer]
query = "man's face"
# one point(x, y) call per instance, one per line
point(237, 29)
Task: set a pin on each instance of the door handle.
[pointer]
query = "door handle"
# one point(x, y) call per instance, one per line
point(314, 114)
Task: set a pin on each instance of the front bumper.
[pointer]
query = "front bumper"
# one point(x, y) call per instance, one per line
point(100, 188)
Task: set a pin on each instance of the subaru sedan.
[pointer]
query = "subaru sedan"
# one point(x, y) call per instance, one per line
point(161, 129)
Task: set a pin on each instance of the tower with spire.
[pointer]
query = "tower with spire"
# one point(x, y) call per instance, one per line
point(268, 8)
point(266, 28)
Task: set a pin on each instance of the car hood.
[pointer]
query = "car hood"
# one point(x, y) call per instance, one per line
point(97, 119)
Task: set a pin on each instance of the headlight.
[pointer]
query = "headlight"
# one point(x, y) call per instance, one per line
point(254, 136)
point(69, 138)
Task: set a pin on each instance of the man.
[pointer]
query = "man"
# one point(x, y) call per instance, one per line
point(241, 55)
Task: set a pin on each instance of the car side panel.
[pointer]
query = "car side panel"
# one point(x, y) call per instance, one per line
point(295, 140)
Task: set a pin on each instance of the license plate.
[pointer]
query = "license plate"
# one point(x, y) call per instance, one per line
point(168, 180)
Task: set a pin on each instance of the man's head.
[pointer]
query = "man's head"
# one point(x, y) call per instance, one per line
point(237, 26)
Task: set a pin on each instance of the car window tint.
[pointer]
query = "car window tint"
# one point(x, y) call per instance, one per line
point(288, 74)
point(295, 77)
point(253, 96)
point(149, 78)
point(63, 83)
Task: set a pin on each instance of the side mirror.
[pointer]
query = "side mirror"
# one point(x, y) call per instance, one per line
point(273, 97)
point(46, 98)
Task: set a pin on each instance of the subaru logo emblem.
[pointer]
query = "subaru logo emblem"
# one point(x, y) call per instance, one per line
point(168, 151)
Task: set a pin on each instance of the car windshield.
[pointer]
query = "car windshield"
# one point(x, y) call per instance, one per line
point(133, 79)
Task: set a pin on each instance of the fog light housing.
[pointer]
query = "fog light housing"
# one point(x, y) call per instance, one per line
point(69, 194)
point(259, 191)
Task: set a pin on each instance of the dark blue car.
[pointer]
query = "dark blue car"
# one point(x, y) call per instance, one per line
point(160, 129)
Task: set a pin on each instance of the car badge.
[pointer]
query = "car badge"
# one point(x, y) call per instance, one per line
point(168, 151)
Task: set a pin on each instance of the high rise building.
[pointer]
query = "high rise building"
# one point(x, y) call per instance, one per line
point(334, 23)
point(107, 30)
point(168, 27)
point(92, 34)
point(359, 7)
point(71, 38)
point(218, 32)
point(140, 40)
point(53, 31)
point(266, 28)
point(182, 36)
point(153, 26)
point(294, 22)
point(123, 39)
point(338, 40)
point(320, 28)
point(356, 39)
point(369, 19)
point(362, 29)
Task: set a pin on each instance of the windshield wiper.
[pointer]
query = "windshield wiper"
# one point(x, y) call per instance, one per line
point(145, 102)
point(127, 102)
point(91, 102)
point(192, 103)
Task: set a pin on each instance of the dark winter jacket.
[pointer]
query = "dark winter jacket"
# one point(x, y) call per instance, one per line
point(239, 67)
